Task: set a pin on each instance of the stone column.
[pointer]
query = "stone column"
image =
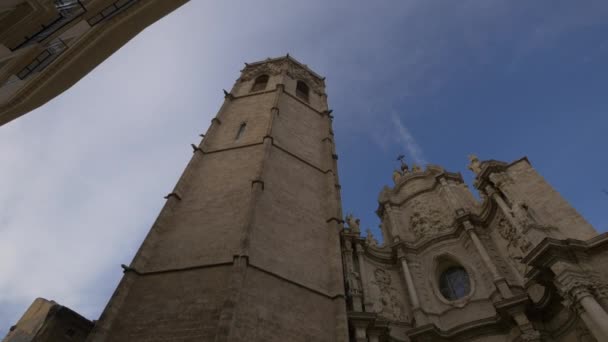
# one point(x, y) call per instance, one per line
point(419, 316)
point(591, 311)
point(498, 279)
point(503, 205)
point(364, 278)
point(393, 226)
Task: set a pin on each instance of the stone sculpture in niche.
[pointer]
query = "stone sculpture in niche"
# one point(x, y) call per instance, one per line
point(385, 298)
point(353, 281)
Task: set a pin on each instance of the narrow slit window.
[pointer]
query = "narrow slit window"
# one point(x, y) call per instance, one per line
point(260, 83)
point(302, 91)
point(241, 130)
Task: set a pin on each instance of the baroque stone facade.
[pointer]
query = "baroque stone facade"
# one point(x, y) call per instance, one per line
point(519, 265)
point(252, 244)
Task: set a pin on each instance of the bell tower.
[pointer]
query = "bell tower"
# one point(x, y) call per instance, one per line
point(247, 246)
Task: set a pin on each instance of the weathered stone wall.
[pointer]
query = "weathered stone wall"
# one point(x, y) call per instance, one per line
point(547, 205)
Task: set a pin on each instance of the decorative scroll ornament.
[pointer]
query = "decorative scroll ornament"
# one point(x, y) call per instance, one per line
point(385, 298)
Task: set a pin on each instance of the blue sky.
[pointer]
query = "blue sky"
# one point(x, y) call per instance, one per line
point(84, 176)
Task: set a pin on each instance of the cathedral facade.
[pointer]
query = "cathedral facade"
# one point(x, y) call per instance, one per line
point(252, 243)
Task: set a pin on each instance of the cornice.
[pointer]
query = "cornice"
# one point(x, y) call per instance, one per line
point(463, 332)
point(551, 249)
point(491, 166)
point(287, 58)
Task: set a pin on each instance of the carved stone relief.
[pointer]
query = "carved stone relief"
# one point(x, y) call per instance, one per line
point(384, 297)
point(270, 69)
point(515, 239)
point(514, 243)
point(427, 221)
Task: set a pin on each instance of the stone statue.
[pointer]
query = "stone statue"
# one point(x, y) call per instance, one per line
point(475, 164)
point(353, 282)
point(369, 239)
point(397, 176)
point(416, 168)
point(353, 223)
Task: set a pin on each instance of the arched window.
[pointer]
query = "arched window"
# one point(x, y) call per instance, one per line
point(454, 283)
point(260, 83)
point(241, 130)
point(302, 91)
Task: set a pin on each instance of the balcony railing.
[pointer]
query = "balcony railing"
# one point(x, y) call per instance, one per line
point(111, 11)
point(52, 51)
point(68, 11)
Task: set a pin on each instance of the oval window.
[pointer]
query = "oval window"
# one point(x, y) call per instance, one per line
point(454, 283)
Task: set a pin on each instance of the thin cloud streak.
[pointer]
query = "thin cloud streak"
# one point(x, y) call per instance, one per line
point(405, 137)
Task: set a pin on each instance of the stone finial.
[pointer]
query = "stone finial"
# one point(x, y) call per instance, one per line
point(369, 239)
point(474, 164)
point(353, 223)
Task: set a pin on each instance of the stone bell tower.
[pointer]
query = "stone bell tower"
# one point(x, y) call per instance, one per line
point(247, 245)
